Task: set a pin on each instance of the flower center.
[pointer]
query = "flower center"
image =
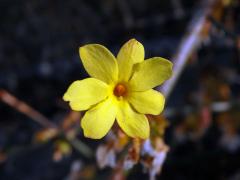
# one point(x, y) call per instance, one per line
point(120, 90)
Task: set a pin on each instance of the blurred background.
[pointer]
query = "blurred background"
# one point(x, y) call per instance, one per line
point(198, 133)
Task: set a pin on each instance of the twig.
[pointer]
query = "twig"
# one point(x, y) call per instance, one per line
point(81, 147)
point(24, 108)
point(187, 46)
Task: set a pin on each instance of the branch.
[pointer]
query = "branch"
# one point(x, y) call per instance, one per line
point(24, 108)
point(36, 116)
point(188, 45)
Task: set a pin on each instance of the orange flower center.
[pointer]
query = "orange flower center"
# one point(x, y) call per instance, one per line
point(120, 90)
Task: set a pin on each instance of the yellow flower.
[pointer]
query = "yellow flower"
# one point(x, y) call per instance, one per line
point(119, 88)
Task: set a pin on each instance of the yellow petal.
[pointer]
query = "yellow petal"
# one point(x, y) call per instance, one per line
point(132, 123)
point(132, 52)
point(85, 93)
point(99, 62)
point(150, 73)
point(147, 102)
point(97, 121)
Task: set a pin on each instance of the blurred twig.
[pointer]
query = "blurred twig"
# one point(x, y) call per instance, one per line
point(24, 108)
point(188, 45)
point(68, 122)
point(81, 147)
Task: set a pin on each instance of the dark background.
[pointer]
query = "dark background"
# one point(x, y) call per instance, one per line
point(39, 43)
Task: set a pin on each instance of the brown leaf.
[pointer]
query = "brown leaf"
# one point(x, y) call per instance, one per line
point(72, 119)
point(45, 134)
point(158, 124)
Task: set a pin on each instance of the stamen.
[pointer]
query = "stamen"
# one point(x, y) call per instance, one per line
point(120, 90)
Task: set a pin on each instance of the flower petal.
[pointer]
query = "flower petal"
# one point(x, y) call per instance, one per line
point(132, 123)
point(150, 73)
point(132, 52)
point(147, 102)
point(99, 62)
point(97, 121)
point(85, 93)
